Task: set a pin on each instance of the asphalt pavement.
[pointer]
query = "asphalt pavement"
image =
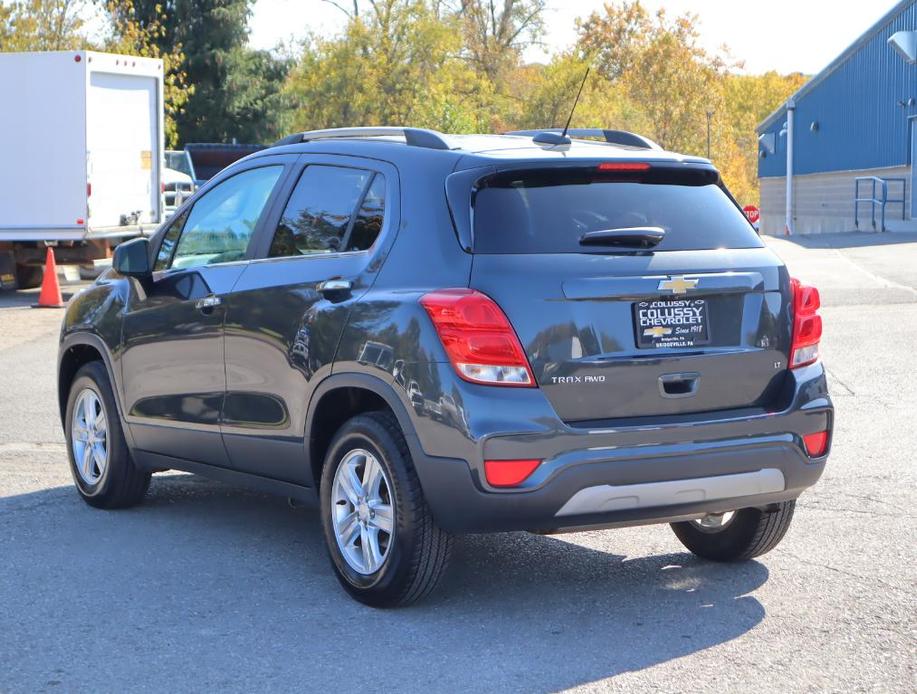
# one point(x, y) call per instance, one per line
point(209, 587)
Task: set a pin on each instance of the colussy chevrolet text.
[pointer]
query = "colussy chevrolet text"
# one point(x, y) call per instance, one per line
point(431, 334)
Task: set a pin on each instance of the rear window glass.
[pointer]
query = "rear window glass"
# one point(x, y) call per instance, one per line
point(548, 212)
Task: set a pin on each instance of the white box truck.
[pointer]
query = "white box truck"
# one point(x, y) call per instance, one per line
point(82, 155)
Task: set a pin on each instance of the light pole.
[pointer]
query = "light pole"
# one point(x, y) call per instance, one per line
point(709, 118)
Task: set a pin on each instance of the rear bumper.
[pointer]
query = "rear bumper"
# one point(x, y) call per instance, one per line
point(634, 474)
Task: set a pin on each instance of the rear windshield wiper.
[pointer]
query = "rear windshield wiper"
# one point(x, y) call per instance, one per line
point(633, 237)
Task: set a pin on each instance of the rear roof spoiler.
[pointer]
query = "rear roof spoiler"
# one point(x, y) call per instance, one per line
point(612, 137)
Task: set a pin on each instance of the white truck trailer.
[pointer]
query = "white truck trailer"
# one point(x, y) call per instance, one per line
point(82, 155)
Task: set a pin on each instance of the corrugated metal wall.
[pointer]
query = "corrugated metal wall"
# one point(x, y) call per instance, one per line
point(861, 124)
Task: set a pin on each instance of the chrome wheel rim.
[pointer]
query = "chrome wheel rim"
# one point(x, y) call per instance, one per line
point(362, 512)
point(89, 436)
point(714, 522)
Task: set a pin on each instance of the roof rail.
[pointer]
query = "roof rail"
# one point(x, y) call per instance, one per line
point(416, 137)
point(614, 137)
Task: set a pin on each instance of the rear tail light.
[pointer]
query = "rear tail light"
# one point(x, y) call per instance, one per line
point(807, 325)
point(816, 444)
point(508, 473)
point(478, 338)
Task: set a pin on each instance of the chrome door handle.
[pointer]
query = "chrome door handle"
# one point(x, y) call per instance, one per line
point(335, 285)
point(208, 302)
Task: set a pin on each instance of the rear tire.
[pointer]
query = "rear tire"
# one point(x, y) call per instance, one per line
point(103, 471)
point(29, 276)
point(405, 563)
point(750, 533)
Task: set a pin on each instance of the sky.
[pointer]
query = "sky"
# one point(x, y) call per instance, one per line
point(783, 35)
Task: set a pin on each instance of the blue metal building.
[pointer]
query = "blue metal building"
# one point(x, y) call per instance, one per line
point(855, 119)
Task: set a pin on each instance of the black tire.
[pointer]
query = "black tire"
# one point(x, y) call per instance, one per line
point(419, 551)
point(751, 533)
point(29, 276)
point(122, 483)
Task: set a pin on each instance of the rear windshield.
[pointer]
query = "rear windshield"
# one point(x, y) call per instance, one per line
point(549, 212)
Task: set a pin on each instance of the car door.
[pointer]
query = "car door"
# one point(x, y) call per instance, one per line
point(172, 347)
point(319, 253)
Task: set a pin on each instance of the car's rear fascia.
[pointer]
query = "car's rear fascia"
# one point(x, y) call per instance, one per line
point(491, 423)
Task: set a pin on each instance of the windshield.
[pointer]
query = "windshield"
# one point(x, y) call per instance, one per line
point(179, 161)
point(550, 211)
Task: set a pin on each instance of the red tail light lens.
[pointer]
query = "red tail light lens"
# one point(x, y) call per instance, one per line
point(478, 338)
point(807, 326)
point(816, 444)
point(508, 473)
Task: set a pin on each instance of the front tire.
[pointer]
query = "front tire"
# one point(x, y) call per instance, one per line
point(100, 462)
point(384, 546)
point(737, 536)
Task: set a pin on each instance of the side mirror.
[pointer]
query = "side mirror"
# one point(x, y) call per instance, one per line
point(132, 258)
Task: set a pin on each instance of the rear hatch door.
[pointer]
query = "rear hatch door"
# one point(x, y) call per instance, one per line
point(696, 323)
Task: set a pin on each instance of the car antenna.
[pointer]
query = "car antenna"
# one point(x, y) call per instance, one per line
point(576, 101)
point(552, 137)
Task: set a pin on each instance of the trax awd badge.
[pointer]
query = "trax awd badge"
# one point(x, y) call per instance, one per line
point(677, 285)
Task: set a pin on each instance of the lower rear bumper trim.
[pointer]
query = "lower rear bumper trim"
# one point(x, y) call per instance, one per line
point(605, 498)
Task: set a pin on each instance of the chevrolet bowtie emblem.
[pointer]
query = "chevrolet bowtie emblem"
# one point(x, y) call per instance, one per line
point(677, 285)
point(656, 332)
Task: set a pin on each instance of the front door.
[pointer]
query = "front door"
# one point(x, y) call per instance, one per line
point(286, 314)
point(172, 361)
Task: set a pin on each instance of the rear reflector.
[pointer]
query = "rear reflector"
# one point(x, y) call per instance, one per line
point(478, 338)
point(816, 444)
point(508, 473)
point(624, 166)
point(807, 325)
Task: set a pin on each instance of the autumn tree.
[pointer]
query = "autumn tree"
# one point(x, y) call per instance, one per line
point(396, 63)
point(43, 25)
point(552, 89)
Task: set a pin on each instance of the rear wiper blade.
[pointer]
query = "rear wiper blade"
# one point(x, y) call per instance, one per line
point(634, 237)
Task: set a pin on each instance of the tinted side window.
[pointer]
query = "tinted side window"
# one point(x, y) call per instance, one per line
point(322, 212)
point(368, 222)
point(222, 221)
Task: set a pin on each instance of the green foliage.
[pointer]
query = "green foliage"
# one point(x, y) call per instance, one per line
point(396, 64)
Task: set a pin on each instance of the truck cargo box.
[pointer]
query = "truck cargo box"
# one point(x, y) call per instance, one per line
point(82, 141)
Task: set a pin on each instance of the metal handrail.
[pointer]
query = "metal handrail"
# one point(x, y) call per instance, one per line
point(873, 200)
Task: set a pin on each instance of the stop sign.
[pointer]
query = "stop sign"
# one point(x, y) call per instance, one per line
point(753, 213)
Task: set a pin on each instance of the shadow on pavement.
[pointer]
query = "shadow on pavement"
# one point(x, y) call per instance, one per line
point(208, 586)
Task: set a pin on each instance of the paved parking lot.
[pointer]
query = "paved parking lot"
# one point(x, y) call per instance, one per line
point(209, 587)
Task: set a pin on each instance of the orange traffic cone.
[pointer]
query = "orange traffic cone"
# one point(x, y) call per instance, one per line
point(50, 296)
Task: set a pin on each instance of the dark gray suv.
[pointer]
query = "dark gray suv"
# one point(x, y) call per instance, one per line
point(430, 334)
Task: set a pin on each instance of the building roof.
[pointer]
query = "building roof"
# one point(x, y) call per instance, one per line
point(838, 62)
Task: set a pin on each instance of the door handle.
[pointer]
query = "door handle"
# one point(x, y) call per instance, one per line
point(683, 385)
point(208, 303)
point(334, 286)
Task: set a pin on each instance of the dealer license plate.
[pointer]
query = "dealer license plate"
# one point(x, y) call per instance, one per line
point(671, 323)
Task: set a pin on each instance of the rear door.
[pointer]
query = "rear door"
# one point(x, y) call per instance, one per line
point(286, 314)
point(697, 323)
point(123, 149)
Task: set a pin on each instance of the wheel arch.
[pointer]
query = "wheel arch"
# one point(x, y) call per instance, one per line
point(76, 350)
point(358, 393)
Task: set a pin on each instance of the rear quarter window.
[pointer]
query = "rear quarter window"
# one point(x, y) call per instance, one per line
point(550, 211)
